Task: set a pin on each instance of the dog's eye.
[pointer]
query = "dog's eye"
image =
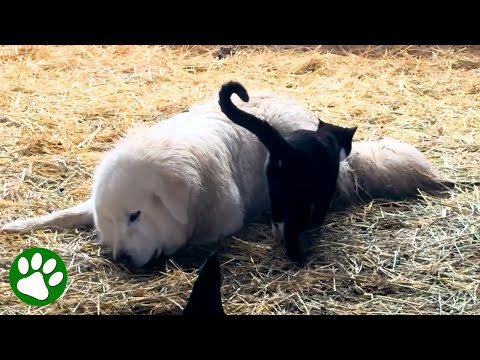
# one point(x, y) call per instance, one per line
point(134, 216)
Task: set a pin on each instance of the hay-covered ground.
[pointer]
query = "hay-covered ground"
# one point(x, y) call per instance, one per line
point(62, 106)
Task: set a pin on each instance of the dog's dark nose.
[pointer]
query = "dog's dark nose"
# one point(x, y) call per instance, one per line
point(124, 259)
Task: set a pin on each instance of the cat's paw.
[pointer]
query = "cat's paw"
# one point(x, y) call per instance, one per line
point(278, 232)
point(296, 255)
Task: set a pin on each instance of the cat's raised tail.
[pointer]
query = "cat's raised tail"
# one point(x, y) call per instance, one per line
point(266, 133)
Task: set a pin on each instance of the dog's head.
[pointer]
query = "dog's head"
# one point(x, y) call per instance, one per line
point(141, 210)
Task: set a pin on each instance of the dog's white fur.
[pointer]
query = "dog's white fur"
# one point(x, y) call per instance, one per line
point(385, 169)
point(197, 177)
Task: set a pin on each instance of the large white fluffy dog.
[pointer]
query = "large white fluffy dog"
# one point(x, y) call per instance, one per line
point(197, 177)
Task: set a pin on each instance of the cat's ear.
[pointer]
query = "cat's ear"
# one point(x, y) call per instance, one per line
point(320, 124)
point(352, 131)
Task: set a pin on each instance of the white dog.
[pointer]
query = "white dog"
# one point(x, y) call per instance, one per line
point(197, 177)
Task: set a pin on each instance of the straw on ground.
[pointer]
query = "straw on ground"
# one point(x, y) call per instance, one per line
point(62, 106)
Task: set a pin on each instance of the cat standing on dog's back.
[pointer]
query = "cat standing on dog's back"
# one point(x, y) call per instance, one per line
point(302, 169)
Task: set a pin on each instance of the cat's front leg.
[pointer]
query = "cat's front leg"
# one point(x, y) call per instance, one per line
point(320, 213)
point(293, 228)
point(321, 207)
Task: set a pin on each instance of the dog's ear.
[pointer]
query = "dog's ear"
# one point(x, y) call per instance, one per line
point(175, 195)
point(206, 297)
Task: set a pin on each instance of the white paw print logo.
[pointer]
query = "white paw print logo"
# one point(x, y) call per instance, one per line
point(38, 276)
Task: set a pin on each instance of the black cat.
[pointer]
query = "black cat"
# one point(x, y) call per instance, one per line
point(206, 297)
point(302, 169)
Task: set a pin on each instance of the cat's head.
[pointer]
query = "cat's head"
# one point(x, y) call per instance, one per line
point(206, 298)
point(344, 136)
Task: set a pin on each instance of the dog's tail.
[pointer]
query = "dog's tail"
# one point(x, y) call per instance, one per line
point(388, 169)
point(266, 133)
point(206, 296)
point(79, 216)
point(450, 184)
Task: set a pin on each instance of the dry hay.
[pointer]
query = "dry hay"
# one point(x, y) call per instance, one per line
point(62, 106)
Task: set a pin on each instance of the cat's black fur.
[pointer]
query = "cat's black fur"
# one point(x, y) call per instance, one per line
point(302, 169)
point(206, 297)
